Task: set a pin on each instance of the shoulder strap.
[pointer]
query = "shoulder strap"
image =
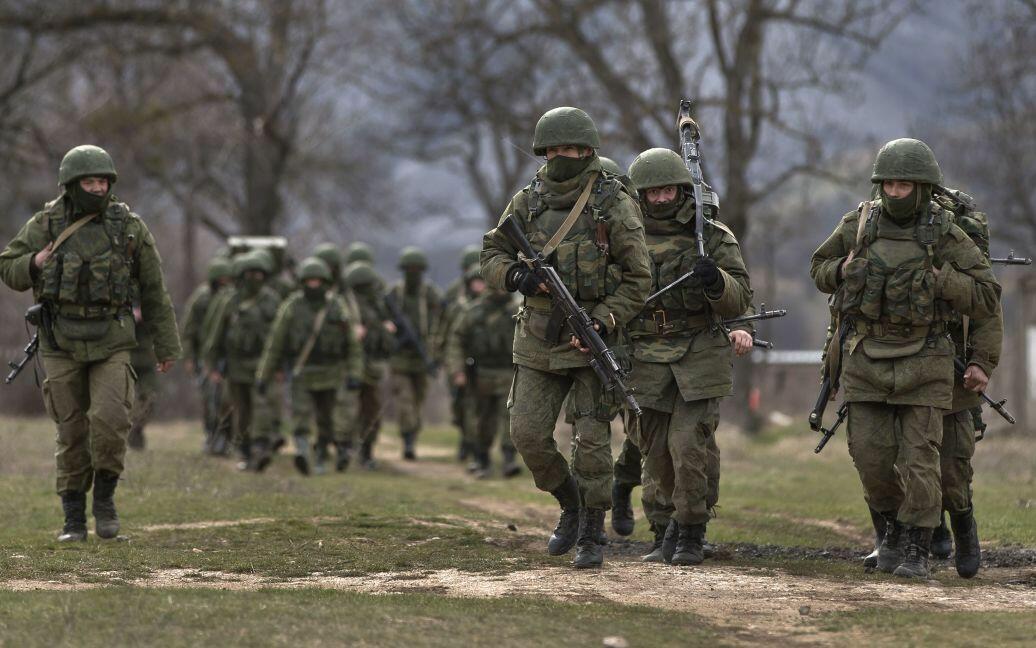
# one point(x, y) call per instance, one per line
point(307, 348)
point(70, 230)
point(570, 220)
point(865, 210)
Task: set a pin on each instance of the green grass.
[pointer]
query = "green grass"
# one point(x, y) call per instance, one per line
point(888, 627)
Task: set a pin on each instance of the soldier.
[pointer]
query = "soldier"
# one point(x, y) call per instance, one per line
point(682, 356)
point(312, 333)
point(377, 335)
point(143, 361)
point(901, 271)
point(358, 251)
point(478, 357)
point(218, 276)
point(456, 298)
point(237, 331)
point(420, 303)
point(604, 263)
point(86, 256)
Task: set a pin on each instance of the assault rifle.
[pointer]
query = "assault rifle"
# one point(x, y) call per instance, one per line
point(1011, 259)
point(602, 359)
point(763, 314)
point(37, 316)
point(843, 412)
point(690, 137)
point(829, 385)
point(407, 334)
point(997, 405)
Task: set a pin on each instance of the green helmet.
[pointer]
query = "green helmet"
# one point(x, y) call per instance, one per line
point(86, 160)
point(564, 126)
point(314, 268)
point(473, 271)
point(610, 165)
point(658, 167)
point(249, 261)
point(359, 251)
point(219, 268)
point(330, 254)
point(906, 159)
point(412, 256)
point(360, 273)
point(470, 256)
point(267, 258)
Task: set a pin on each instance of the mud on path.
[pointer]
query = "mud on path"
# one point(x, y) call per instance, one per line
point(748, 602)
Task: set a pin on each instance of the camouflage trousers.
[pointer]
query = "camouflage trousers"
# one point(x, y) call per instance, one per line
point(486, 415)
point(955, 453)
point(896, 452)
point(410, 390)
point(250, 413)
point(536, 400)
point(346, 419)
point(308, 405)
point(681, 461)
point(90, 402)
point(371, 410)
point(628, 471)
point(146, 394)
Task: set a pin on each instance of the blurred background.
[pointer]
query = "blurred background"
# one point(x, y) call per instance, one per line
point(410, 122)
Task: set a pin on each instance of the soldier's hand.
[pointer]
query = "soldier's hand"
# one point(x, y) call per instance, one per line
point(525, 281)
point(164, 366)
point(42, 256)
point(741, 341)
point(189, 365)
point(707, 271)
point(390, 326)
point(975, 379)
point(460, 379)
point(576, 344)
point(361, 332)
point(215, 377)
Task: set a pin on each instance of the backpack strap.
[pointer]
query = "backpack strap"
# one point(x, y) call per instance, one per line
point(311, 341)
point(70, 230)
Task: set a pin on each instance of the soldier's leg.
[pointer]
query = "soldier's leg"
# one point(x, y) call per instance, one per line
point(958, 447)
point(626, 475)
point(301, 416)
point(146, 391)
point(243, 416)
point(406, 406)
point(224, 407)
point(346, 424)
point(651, 435)
point(460, 399)
point(534, 403)
point(111, 398)
point(325, 404)
point(918, 462)
point(370, 421)
point(66, 397)
point(480, 428)
point(420, 386)
point(502, 431)
point(592, 462)
point(712, 471)
point(690, 427)
point(872, 434)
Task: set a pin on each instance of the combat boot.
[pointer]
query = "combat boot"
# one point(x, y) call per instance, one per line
point(106, 520)
point(261, 457)
point(409, 454)
point(672, 532)
point(622, 509)
point(707, 548)
point(942, 543)
point(482, 464)
point(463, 451)
point(591, 550)
point(73, 503)
point(968, 555)
point(689, 539)
point(870, 561)
point(135, 439)
point(510, 467)
point(343, 454)
point(367, 456)
point(655, 555)
point(321, 455)
point(302, 454)
point(915, 556)
point(567, 531)
point(890, 552)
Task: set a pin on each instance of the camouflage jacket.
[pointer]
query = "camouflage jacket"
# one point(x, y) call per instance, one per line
point(907, 365)
point(677, 345)
point(481, 340)
point(454, 300)
point(335, 354)
point(90, 282)
point(237, 331)
point(194, 316)
point(378, 344)
point(423, 308)
point(602, 260)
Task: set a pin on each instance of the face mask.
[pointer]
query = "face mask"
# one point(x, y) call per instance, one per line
point(412, 278)
point(563, 168)
point(252, 285)
point(86, 203)
point(317, 294)
point(902, 210)
point(663, 211)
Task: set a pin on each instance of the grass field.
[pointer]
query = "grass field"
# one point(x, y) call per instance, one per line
point(423, 555)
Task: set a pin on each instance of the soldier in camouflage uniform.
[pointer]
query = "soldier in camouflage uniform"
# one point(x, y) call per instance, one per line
point(312, 335)
point(236, 333)
point(457, 296)
point(682, 357)
point(478, 359)
point(218, 276)
point(87, 258)
point(422, 305)
point(902, 272)
point(603, 261)
point(143, 361)
point(377, 335)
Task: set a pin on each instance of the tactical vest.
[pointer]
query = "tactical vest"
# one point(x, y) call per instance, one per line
point(490, 333)
point(582, 259)
point(332, 343)
point(423, 323)
point(88, 281)
point(889, 287)
point(249, 321)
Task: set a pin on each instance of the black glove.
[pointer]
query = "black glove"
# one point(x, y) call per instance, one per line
point(353, 384)
point(521, 278)
point(260, 388)
point(602, 330)
point(706, 270)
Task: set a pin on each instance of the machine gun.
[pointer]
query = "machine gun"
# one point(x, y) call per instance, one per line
point(1011, 259)
point(997, 405)
point(37, 316)
point(690, 138)
point(763, 314)
point(407, 333)
point(602, 359)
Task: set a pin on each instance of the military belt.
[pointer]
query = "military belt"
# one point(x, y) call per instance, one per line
point(904, 331)
point(539, 302)
point(663, 322)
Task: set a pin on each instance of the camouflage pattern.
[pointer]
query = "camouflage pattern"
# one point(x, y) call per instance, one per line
point(143, 361)
point(906, 159)
point(564, 126)
point(455, 300)
point(85, 161)
point(480, 347)
point(365, 289)
point(611, 285)
point(422, 304)
point(89, 386)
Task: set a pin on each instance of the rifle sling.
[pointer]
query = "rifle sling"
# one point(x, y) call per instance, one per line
point(571, 219)
point(307, 348)
point(70, 230)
